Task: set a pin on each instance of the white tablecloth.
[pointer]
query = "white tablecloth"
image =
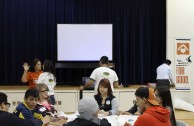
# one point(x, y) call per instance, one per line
point(114, 119)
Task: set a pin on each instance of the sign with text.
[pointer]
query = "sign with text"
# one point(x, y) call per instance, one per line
point(183, 63)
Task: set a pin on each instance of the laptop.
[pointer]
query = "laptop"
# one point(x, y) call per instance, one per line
point(85, 80)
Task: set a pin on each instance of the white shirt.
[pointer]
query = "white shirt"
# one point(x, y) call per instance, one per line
point(49, 80)
point(164, 72)
point(102, 73)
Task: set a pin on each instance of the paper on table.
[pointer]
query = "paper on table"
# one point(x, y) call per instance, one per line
point(127, 118)
point(72, 117)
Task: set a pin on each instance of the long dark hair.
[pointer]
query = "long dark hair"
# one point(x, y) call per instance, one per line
point(165, 95)
point(49, 67)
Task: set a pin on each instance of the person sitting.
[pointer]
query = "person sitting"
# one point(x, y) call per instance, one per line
point(107, 102)
point(44, 105)
point(152, 113)
point(25, 109)
point(8, 119)
point(88, 110)
point(163, 97)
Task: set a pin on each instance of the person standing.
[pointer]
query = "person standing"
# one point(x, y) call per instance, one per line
point(102, 72)
point(31, 73)
point(164, 74)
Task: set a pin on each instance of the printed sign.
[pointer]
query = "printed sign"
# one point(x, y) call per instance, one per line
point(182, 64)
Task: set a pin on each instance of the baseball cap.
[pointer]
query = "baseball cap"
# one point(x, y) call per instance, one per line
point(147, 93)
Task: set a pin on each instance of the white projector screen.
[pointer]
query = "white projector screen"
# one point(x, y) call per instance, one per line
point(84, 42)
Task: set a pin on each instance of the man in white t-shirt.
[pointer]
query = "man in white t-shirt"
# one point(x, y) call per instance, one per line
point(164, 74)
point(100, 73)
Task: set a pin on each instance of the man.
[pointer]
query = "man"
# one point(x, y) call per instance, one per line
point(164, 74)
point(152, 113)
point(8, 119)
point(102, 72)
point(88, 110)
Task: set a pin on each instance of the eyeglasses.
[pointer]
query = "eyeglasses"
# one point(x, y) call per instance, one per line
point(6, 103)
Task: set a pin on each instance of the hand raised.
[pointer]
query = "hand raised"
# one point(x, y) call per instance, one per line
point(26, 66)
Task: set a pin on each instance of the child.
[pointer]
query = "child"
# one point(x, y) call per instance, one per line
point(48, 77)
point(8, 119)
point(25, 109)
point(43, 103)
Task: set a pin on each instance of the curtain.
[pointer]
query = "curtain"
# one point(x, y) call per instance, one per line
point(28, 30)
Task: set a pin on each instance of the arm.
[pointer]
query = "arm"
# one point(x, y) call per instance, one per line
point(87, 85)
point(58, 123)
point(170, 76)
point(133, 109)
point(15, 121)
point(116, 84)
point(115, 106)
point(26, 68)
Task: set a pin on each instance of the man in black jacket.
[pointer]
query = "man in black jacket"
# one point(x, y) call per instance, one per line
point(8, 119)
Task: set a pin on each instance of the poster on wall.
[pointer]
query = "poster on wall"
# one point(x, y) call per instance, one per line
point(183, 64)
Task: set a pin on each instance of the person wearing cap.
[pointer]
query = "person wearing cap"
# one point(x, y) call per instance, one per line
point(152, 113)
point(100, 73)
point(8, 119)
point(164, 74)
point(88, 110)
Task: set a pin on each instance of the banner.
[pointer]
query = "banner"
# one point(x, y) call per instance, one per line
point(183, 64)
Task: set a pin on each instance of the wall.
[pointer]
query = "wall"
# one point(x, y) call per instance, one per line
point(180, 24)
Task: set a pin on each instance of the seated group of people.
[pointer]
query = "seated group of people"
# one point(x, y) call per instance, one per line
point(154, 106)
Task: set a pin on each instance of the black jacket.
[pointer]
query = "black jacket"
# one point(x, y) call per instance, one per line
point(107, 106)
point(8, 119)
point(85, 122)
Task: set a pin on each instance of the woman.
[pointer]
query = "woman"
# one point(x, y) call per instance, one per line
point(107, 102)
point(31, 73)
point(163, 97)
point(48, 77)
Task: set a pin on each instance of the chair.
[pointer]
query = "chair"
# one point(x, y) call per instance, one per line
point(181, 123)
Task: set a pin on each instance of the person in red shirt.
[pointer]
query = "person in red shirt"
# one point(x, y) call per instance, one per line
point(31, 73)
point(152, 113)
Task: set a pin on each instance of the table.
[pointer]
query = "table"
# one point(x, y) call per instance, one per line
point(185, 116)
